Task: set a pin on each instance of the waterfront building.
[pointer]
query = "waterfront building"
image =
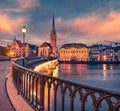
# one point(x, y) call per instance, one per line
point(100, 52)
point(3, 52)
point(49, 49)
point(95, 52)
point(117, 55)
point(44, 50)
point(17, 47)
point(74, 52)
point(108, 54)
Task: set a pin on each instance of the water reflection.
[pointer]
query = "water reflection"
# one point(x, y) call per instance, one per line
point(104, 71)
point(106, 76)
point(99, 75)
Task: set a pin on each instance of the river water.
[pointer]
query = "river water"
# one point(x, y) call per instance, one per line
point(105, 76)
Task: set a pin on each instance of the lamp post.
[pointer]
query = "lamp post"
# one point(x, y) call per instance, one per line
point(23, 33)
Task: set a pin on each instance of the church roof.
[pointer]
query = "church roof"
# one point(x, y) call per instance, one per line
point(45, 44)
point(76, 45)
point(17, 42)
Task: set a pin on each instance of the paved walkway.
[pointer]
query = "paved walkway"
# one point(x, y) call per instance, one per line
point(17, 101)
point(5, 104)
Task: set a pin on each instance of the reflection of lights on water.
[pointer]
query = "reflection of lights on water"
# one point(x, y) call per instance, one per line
point(104, 66)
point(105, 58)
point(104, 75)
point(66, 66)
point(81, 66)
point(111, 67)
point(104, 71)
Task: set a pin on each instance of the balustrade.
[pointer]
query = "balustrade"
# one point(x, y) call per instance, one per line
point(35, 87)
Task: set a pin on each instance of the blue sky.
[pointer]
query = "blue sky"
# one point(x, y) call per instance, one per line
point(83, 21)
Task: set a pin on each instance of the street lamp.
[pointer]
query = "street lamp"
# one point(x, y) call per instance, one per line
point(23, 33)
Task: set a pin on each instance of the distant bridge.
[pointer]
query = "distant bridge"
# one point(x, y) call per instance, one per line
point(36, 89)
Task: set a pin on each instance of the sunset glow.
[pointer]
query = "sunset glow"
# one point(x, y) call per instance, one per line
point(84, 22)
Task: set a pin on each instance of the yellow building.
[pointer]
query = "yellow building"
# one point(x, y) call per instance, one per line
point(74, 52)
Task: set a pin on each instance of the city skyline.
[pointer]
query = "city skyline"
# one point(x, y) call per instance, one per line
point(81, 21)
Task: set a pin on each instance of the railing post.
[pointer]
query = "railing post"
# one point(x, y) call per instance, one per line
point(63, 101)
point(72, 104)
point(42, 85)
point(18, 83)
point(82, 106)
point(32, 85)
point(49, 98)
point(55, 99)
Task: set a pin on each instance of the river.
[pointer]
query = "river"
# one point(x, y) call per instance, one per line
point(105, 76)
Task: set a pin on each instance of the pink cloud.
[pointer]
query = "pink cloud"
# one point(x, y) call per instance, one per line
point(93, 27)
point(21, 6)
point(26, 4)
point(9, 24)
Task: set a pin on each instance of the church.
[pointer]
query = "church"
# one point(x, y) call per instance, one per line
point(49, 49)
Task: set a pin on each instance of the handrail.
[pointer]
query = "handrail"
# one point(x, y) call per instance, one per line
point(33, 86)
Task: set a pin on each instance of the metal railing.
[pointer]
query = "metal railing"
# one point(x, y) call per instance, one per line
point(47, 93)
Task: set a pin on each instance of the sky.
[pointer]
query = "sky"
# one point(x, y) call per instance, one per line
point(76, 21)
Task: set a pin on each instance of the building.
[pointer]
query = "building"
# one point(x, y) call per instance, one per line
point(17, 48)
point(117, 53)
point(108, 54)
point(74, 52)
point(44, 50)
point(95, 52)
point(3, 52)
point(49, 49)
point(100, 52)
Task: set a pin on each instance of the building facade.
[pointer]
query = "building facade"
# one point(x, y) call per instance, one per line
point(100, 52)
point(49, 49)
point(44, 50)
point(74, 52)
point(17, 48)
point(108, 54)
point(95, 52)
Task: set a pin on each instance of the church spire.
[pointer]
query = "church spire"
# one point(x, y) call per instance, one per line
point(53, 26)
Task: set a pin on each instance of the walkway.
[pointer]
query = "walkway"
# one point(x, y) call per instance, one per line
point(18, 102)
point(5, 104)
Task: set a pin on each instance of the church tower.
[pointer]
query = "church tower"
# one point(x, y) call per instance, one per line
point(53, 39)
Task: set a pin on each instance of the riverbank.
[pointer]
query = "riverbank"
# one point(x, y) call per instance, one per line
point(89, 62)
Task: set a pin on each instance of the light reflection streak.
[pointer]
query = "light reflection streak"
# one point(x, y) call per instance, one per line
point(104, 71)
point(49, 68)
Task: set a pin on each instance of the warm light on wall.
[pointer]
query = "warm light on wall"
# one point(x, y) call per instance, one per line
point(105, 57)
point(11, 54)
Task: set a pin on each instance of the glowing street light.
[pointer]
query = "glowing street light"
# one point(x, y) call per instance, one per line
point(24, 32)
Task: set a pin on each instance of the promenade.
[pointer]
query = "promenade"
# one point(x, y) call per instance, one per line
point(16, 102)
point(5, 104)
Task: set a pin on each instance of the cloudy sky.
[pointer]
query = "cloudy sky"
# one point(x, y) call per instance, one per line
point(84, 21)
